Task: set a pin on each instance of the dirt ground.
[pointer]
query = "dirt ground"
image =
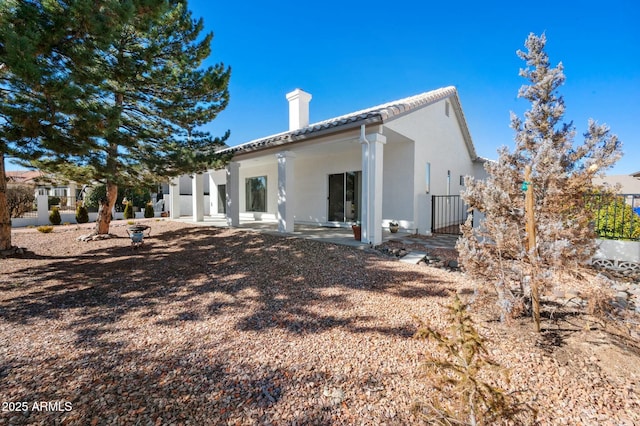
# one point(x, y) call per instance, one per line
point(204, 325)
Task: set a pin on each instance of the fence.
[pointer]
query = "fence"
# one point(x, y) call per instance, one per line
point(616, 217)
point(448, 212)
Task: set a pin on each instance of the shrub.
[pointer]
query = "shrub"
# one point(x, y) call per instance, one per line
point(45, 229)
point(128, 211)
point(54, 216)
point(462, 396)
point(615, 219)
point(82, 214)
point(53, 201)
point(148, 211)
point(20, 200)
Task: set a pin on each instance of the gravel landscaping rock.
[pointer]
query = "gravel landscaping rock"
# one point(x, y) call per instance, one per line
point(210, 326)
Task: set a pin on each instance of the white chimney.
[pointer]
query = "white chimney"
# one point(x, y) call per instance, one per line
point(298, 109)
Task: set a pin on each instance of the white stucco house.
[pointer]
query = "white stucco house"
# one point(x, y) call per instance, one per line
point(388, 162)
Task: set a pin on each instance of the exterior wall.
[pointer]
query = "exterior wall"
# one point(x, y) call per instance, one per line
point(186, 205)
point(216, 177)
point(439, 142)
point(627, 251)
point(269, 169)
point(186, 186)
point(398, 177)
point(312, 180)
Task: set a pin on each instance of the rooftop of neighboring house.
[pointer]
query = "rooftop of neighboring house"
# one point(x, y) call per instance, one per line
point(629, 184)
point(24, 176)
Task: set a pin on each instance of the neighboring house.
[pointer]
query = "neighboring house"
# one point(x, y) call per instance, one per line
point(371, 166)
point(628, 184)
point(44, 186)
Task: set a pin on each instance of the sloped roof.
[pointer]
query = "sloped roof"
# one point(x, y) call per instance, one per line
point(375, 115)
point(23, 176)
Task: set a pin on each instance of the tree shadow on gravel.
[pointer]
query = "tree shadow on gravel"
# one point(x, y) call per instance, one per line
point(274, 281)
point(156, 386)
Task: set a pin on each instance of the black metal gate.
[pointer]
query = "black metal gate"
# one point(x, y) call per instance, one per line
point(448, 212)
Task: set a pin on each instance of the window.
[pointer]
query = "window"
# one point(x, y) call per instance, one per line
point(427, 180)
point(461, 180)
point(446, 108)
point(256, 194)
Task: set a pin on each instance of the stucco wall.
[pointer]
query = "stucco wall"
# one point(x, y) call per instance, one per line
point(186, 184)
point(439, 142)
point(628, 251)
point(268, 169)
point(398, 171)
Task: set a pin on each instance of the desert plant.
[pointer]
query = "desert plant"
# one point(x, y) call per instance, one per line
point(148, 211)
point(54, 216)
point(82, 214)
point(45, 229)
point(128, 211)
point(561, 174)
point(20, 200)
point(462, 396)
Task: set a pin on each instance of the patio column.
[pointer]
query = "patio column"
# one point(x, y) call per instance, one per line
point(372, 156)
point(174, 198)
point(285, 191)
point(233, 194)
point(197, 197)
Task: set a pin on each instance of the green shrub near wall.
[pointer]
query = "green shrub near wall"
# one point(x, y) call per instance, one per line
point(128, 211)
point(54, 216)
point(148, 211)
point(82, 214)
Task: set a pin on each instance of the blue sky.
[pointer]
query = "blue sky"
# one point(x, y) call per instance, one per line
point(353, 55)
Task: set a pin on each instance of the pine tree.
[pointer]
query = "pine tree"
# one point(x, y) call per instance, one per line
point(28, 80)
point(130, 93)
point(561, 176)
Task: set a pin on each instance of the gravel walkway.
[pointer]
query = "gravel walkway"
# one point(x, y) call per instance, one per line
point(216, 326)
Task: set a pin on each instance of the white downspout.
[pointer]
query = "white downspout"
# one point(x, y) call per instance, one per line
point(363, 139)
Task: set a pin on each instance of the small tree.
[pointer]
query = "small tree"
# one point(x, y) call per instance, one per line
point(82, 214)
point(54, 216)
point(148, 211)
point(463, 396)
point(128, 211)
point(561, 177)
point(20, 199)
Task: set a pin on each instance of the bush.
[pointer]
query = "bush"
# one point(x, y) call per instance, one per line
point(461, 396)
point(148, 211)
point(45, 229)
point(53, 201)
point(128, 211)
point(54, 216)
point(615, 219)
point(20, 200)
point(82, 214)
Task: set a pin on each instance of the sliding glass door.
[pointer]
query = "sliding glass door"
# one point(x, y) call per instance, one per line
point(344, 197)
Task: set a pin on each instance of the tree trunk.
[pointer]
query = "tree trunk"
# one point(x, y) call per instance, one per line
point(5, 219)
point(106, 207)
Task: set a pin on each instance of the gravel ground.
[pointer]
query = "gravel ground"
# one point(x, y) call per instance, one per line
point(215, 326)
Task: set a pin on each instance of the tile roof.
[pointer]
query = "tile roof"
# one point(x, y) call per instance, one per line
point(377, 114)
point(23, 176)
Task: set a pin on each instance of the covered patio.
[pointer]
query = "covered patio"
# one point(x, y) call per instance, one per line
point(333, 235)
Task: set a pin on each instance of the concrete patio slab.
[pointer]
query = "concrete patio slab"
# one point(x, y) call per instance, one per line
point(413, 257)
